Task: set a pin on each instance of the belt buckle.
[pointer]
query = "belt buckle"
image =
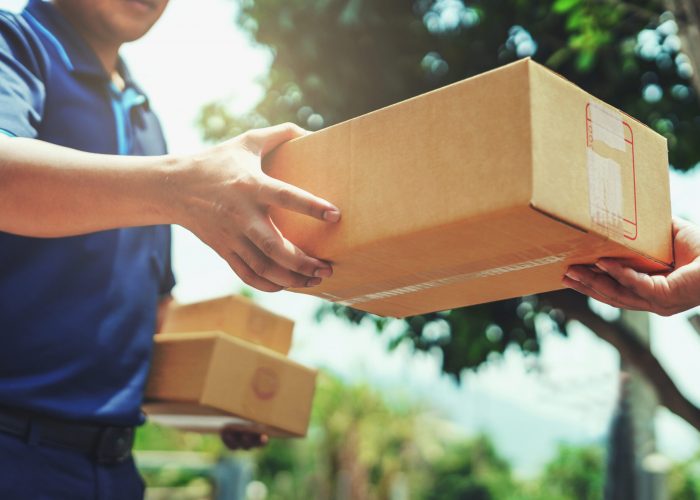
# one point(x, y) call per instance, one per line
point(114, 445)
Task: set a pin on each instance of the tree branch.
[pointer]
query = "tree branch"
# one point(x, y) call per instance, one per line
point(575, 307)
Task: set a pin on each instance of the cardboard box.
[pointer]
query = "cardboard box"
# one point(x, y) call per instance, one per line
point(479, 191)
point(234, 315)
point(201, 381)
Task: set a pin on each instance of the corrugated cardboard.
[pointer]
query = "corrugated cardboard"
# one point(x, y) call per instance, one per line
point(203, 380)
point(234, 315)
point(479, 191)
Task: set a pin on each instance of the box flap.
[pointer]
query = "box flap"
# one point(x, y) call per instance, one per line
point(235, 315)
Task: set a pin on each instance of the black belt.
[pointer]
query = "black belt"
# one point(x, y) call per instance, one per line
point(105, 444)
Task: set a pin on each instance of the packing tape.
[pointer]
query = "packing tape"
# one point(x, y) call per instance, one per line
point(607, 126)
point(605, 196)
point(459, 278)
point(605, 192)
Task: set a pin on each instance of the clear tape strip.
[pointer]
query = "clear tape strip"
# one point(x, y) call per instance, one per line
point(459, 278)
point(607, 126)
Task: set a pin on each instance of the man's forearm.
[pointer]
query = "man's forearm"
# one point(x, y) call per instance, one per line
point(50, 191)
point(220, 194)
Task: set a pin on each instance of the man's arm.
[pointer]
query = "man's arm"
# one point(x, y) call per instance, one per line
point(221, 195)
point(52, 191)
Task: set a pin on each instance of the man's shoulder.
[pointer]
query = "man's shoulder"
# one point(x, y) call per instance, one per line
point(19, 39)
point(13, 23)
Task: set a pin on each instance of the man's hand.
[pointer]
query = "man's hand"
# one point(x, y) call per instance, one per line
point(235, 439)
point(666, 294)
point(226, 199)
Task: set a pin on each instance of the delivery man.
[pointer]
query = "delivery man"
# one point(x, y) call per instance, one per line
point(87, 193)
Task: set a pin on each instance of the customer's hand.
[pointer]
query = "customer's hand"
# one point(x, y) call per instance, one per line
point(620, 286)
point(235, 439)
point(225, 199)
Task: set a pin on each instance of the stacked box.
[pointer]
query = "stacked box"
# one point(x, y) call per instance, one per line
point(222, 363)
point(235, 315)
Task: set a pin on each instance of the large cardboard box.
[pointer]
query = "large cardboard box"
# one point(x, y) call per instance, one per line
point(234, 315)
point(201, 381)
point(479, 191)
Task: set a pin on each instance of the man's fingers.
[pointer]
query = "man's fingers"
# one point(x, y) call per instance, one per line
point(280, 194)
point(231, 439)
point(679, 224)
point(265, 236)
point(251, 440)
point(641, 284)
point(242, 270)
point(604, 285)
point(264, 267)
point(264, 140)
point(581, 288)
point(236, 439)
point(249, 276)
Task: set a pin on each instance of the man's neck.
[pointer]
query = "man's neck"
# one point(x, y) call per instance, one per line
point(106, 52)
point(108, 55)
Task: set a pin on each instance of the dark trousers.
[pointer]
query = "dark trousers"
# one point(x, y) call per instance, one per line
point(29, 471)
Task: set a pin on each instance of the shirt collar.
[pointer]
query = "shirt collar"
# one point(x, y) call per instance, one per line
point(81, 59)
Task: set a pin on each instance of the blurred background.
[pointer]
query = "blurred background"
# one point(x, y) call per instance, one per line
point(512, 400)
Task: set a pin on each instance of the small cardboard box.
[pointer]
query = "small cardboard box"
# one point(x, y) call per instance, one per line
point(483, 190)
point(234, 315)
point(201, 381)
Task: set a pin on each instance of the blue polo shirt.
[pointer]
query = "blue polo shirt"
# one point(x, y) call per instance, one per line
point(77, 314)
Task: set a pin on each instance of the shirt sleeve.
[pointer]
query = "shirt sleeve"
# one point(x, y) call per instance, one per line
point(22, 64)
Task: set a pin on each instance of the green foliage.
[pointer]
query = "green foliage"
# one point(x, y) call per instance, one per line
point(157, 438)
point(152, 437)
point(362, 444)
point(357, 442)
point(576, 472)
point(684, 480)
point(357, 433)
point(337, 59)
point(472, 470)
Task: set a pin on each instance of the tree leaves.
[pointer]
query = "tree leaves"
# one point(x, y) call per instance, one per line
point(564, 6)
